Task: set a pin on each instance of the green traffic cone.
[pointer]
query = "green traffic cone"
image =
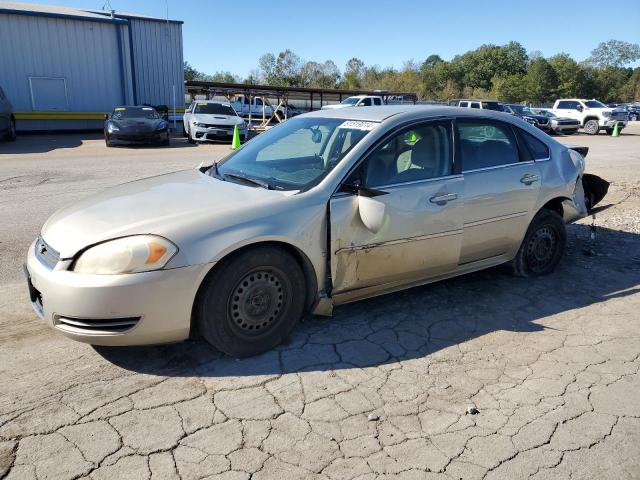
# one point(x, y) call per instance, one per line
point(235, 143)
point(616, 131)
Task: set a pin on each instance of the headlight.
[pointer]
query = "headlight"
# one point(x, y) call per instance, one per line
point(112, 128)
point(198, 124)
point(162, 125)
point(606, 114)
point(138, 253)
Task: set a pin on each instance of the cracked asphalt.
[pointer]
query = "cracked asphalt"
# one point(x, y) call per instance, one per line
point(385, 389)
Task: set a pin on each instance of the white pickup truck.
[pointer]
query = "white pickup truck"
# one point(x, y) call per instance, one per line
point(242, 105)
point(592, 114)
point(357, 101)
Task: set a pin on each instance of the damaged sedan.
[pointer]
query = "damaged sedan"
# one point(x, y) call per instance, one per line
point(327, 208)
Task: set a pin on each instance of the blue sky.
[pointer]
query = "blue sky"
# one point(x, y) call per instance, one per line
point(231, 35)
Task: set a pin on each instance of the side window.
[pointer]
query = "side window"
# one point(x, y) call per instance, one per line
point(366, 102)
point(564, 105)
point(259, 102)
point(538, 149)
point(475, 105)
point(573, 105)
point(464, 104)
point(419, 153)
point(377, 101)
point(486, 144)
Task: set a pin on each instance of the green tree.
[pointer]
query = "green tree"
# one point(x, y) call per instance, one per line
point(509, 88)
point(614, 53)
point(353, 70)
point(572, 77)
point(631, 89)
point(540, 82)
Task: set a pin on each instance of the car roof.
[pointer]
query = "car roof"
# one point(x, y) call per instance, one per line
point(378, 114)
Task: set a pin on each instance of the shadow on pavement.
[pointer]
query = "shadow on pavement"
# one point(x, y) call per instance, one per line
point(421, 321)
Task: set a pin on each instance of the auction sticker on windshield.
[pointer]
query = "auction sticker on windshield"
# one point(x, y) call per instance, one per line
point(359, 125)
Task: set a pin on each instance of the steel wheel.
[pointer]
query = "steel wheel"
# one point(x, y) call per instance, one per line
point(541, 248)
point(251, 301)
point(591, 127)
point(256, 302)
point(543, 245)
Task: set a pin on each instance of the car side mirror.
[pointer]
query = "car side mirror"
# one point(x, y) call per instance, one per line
point(371, 212)
point(579, 108)
point(106, 116)
point(316, 135)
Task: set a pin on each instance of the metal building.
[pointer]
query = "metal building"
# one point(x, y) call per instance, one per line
point(63, 68)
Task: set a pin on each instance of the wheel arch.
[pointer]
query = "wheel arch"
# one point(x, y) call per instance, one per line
point(590, 117)
point(308, 270)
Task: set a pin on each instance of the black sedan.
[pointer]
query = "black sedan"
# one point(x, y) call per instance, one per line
point(135, 125)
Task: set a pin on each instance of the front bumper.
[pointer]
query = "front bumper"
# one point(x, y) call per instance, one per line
point(138, 138)
point(612, 123)
point(559, 127)
point(129, 309)
point(213, 134)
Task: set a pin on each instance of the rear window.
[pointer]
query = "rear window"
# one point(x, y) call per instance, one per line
point(214, 109)
point(538, 149)
point(493, 106)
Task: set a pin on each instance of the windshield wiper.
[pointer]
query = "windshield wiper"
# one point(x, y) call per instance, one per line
point(252, 181)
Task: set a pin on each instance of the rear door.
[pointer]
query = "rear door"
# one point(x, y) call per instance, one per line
point(502, 183)
point(412, 173)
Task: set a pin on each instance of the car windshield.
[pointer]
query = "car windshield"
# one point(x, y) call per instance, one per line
point(350, 101)
point(295, 155)
point(543, 113)
point(519, 109)
point(594, 104)
point(214, 109)
point(134, 112)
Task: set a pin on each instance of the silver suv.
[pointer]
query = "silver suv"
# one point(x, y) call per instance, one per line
point(7, 120)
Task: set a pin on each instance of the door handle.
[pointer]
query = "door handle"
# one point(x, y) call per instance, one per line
point(529, 178)
point(443, 198)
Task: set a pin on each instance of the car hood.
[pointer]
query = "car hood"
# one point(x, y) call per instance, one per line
point(171, 205)
point(216, 119)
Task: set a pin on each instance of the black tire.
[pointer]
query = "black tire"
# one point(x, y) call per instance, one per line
point(184, 131)
point(107, 142)
point(633, 118)
point(11, 134)
point(190, 138)
point(591, 127)
point(166, 142)
point(251, 302)
point(543, 245)
point(609, 131)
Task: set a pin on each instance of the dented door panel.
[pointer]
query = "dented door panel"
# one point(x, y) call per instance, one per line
point(418, 239)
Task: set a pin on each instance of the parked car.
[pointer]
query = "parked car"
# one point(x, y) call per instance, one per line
point(565, 126)
point(592, 114)
point(524, 112)
point(479, 104)
point(7, 120)
point(207, 120)
point(357, 101)
point(632, 111)
point(128, 125)
point(327, 208)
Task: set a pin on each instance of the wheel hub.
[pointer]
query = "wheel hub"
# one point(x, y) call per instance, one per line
point(256, 301)
point(541, 248)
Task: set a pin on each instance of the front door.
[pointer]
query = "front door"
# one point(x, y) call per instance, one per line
point(412, 176)
point(501, 189)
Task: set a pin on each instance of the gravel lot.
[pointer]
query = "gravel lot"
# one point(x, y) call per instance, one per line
point(381, 390)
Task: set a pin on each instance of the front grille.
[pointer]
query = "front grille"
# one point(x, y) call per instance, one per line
point(228, 128)
point(47, 255)
point(543, 121)
point(96, 325)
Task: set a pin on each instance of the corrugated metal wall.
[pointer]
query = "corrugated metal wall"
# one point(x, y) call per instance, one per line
point(157, 53)
point(95, 60)
point(85, 54)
